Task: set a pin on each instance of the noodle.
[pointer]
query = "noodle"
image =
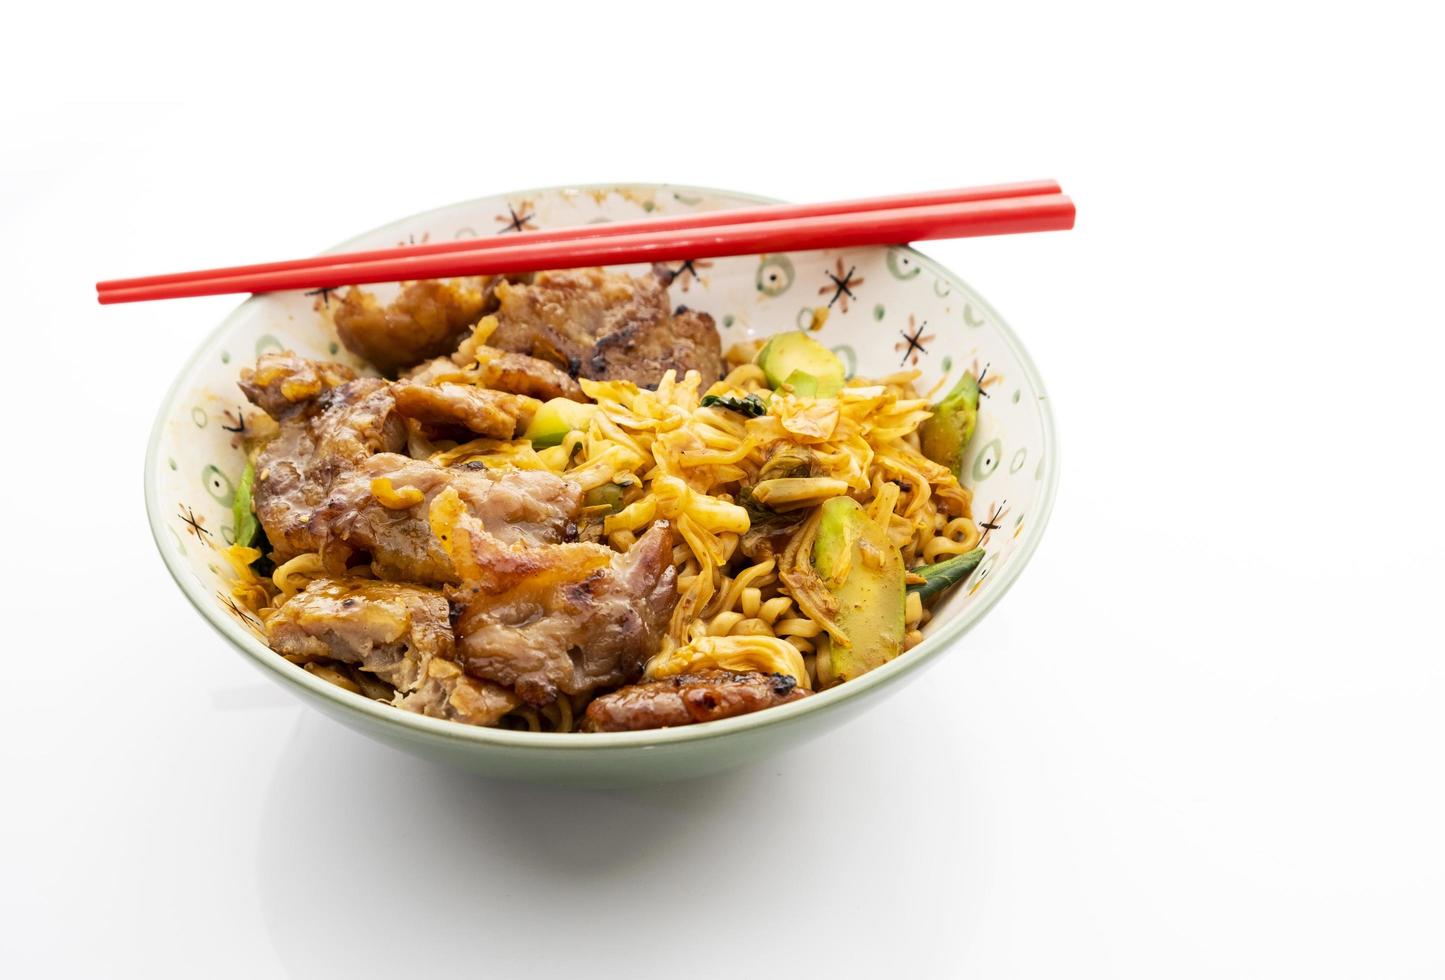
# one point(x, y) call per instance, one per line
point(297, 573)
point(661, 455)
point(693, 462)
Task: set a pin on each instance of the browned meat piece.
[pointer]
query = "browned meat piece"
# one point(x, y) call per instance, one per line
point(501, 370)
point(437, 370)
point(570, 618)
point(495, 414)
point(427, 319)
point(565, 317)
point(525, 375)
point(559, 317)
point(689, 698)
point(448, 693)
point(532, 506)
point(284, 492)
point(282, 383)
point(391, 630)
point(400, 633)
point(353, 422)
point(643, 350)
point(318, 439)
point(508, 370)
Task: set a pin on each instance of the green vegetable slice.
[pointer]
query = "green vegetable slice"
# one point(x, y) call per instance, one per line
point(555, 419)
point(609, 495)
point(242, 516)
point(864, 571)
point(750, 407)
point(946, 574)
point(804, 385)
point(946, 433)
point(790, 354)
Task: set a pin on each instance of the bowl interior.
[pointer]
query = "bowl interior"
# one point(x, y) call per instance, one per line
point(887, 309)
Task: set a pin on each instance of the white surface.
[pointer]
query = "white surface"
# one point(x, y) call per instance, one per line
point(1201, 738)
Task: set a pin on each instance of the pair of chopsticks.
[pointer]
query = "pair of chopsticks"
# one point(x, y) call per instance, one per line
point(1001, 209)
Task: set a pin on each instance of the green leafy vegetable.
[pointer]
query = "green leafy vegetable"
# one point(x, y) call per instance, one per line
point(761, 518)
point(794, 461)
point(242, 516)
point(750, 407)
point(945, 574)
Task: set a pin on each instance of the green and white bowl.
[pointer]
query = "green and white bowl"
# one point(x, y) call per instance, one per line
point(889, 308)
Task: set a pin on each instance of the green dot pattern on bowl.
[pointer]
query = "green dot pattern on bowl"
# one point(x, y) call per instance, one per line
point(987, 460)
point(218, 485)
point(775, 275)
point(902, 264)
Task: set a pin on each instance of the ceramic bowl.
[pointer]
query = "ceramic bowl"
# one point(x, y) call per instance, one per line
point(889, 308)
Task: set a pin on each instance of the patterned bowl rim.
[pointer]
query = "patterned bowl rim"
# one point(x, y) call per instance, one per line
point(364, 708)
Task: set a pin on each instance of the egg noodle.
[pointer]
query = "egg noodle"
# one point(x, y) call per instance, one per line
point(743, 494)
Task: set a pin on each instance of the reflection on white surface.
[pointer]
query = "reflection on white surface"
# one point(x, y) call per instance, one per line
point(374, 861)
point(253, 697)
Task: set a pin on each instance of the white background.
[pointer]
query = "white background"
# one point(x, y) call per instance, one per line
point(1201, 738)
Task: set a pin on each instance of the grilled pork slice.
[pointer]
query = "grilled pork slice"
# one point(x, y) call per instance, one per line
point(283, 383)
point(328, 425)
point(525, 375)
point(427, 319)
point(686, 699)
point(389, 521)
point(399, 633)
point(337, 435)
point(499, 369)
point(390, 630)
point(606, 326)
point(642, 351)
point(550, 619)
point(495, 414)
point(447, 692)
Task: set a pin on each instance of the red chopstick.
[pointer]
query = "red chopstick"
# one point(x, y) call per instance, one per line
point(885, 226)
point(671, 222)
